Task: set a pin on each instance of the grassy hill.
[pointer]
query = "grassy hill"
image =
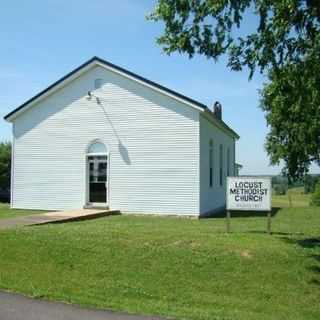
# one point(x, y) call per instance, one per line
point(173, 267)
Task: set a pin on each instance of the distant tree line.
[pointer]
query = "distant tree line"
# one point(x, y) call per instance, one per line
point(5, 170)
point(310, 182)
point(315, 198)
point(310, 185)
point(281, 184)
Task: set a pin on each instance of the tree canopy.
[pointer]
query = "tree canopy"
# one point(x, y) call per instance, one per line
point(291, 101)
point(284, 44)
point(286, 31)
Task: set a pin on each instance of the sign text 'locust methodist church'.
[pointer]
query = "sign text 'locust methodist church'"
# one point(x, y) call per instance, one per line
point(249, 193)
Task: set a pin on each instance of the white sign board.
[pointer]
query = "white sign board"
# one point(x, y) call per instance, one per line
point(249, 193)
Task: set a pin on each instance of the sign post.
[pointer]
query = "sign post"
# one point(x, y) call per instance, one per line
point(249, 194)
point(228, 221)
point(269, 222)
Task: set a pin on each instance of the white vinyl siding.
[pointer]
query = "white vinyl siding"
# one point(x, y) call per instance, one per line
point(152, 140)
point(212, 198)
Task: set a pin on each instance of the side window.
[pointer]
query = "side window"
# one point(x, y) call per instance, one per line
point(228, 162)
point(211, 163)
point(221, 164)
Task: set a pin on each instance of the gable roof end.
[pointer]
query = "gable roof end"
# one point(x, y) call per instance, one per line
point(116, 68)
point(96, 60)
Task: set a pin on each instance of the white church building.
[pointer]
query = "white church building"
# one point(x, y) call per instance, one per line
point(103, 136)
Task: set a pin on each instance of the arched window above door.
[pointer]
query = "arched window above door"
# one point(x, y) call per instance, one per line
point(97, 147)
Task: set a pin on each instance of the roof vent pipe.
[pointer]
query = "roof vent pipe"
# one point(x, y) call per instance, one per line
point(217, 110)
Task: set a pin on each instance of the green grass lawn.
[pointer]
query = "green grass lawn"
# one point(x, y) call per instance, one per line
point(6, 212)
point(173, 267)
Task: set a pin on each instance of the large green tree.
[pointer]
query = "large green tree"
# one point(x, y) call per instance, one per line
point(284, 44)
point(5, 165)
point(291, 101)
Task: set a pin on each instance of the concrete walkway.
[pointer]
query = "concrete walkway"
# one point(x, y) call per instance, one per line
point(55, 217)
point(17, 307)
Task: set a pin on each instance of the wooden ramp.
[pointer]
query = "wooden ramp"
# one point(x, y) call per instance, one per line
point(56, 217)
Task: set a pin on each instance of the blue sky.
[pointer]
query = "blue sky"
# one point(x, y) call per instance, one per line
point(43, 40)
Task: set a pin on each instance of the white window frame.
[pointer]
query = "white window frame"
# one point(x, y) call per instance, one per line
point(211, 163)
point(87, 182)
point(221, 165)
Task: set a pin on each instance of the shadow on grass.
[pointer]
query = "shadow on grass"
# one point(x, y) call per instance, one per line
point(315, 269)
point(275, 233)
point(244, 214)
point(315, 281)
point(309, 244)
point(316, 257)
